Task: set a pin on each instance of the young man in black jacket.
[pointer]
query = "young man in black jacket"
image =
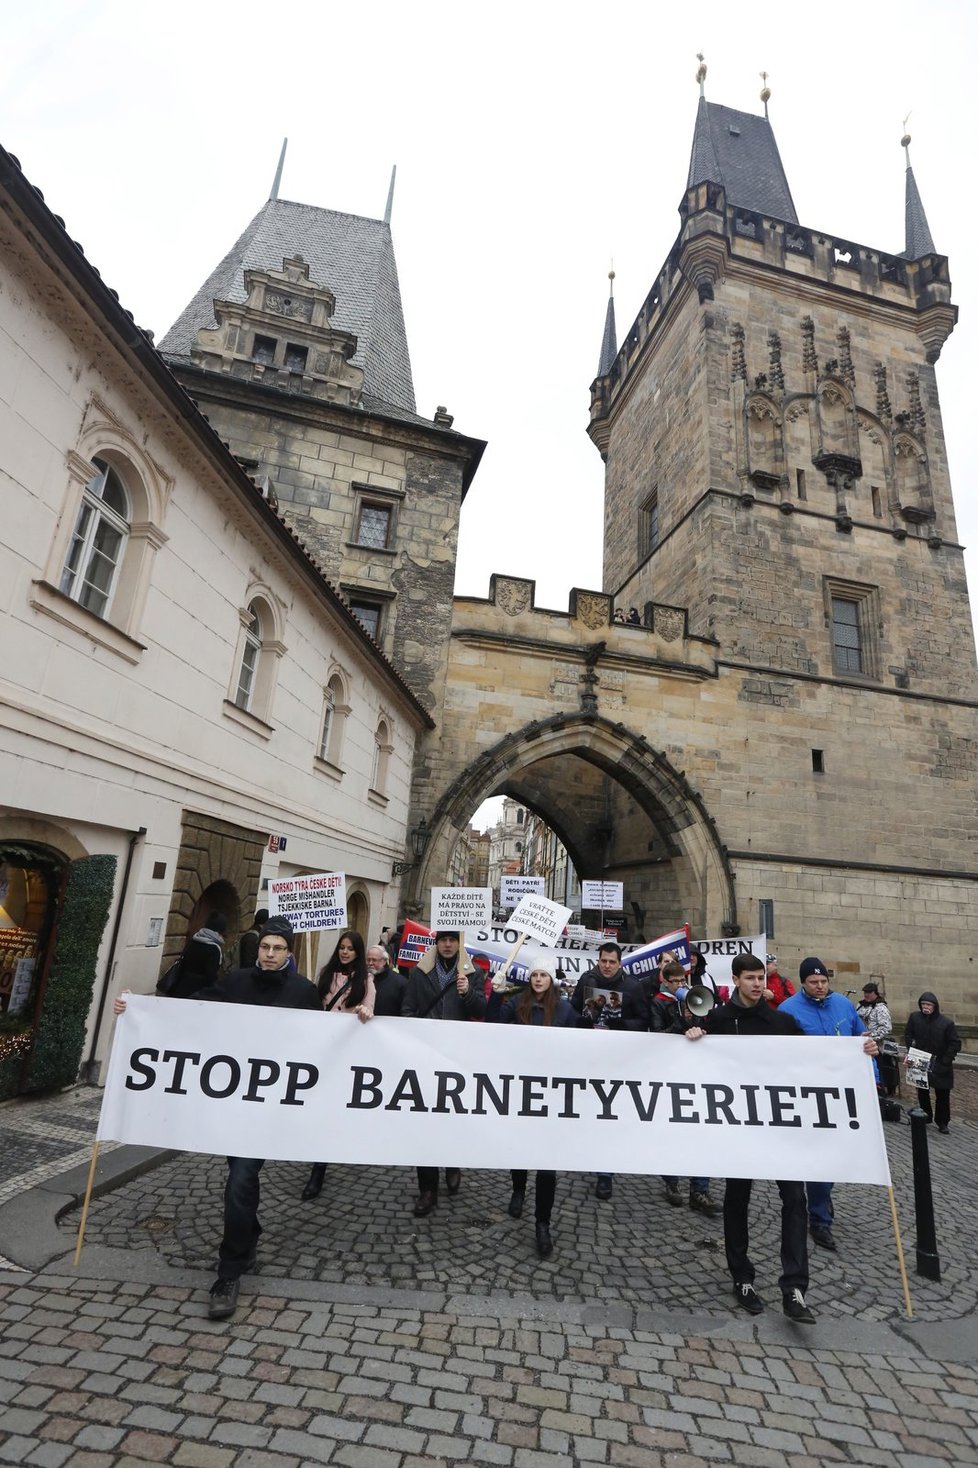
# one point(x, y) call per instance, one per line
point(748, 1014)
point(273, 983)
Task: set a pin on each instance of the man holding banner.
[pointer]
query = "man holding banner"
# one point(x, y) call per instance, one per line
point(445, 984)
point(748, 1014)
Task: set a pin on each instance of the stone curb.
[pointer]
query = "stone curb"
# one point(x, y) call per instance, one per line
point(29, 1221)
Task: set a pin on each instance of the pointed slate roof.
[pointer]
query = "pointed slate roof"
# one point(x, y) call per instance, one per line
point(738, 150)
point(352, 256)
point(919, 238)
point(609, 342)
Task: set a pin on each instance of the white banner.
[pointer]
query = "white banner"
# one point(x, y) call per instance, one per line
point(596, 895)
point(235, 1080)
point(540, 918)
point(511, 889)
point(312, 904)
point(721, 952)
point(458, 908)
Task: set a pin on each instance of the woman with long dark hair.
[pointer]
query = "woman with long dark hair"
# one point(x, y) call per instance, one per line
point(345, 987)
point(540, 1003)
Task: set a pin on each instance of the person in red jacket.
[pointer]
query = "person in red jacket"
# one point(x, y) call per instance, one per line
point(778, 989)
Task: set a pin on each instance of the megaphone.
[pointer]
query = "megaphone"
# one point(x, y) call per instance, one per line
point(700, 1000)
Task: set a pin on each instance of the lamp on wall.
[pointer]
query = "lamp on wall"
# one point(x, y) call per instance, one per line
point(420, 835)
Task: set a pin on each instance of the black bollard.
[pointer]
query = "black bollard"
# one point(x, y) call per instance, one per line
point(928, 1260)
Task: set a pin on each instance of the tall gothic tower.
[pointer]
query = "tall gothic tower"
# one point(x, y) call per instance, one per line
point(772, 434)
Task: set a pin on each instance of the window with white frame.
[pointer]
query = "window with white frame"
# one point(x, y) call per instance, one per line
point(329, 713)
point(336, 708)
point(98, 542)
point(250, 654)
point(382, 753)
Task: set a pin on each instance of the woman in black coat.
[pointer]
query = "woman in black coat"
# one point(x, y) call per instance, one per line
point(928, 1029)
point(541, 1003)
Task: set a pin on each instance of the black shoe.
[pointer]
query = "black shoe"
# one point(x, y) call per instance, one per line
point(515, 1209)
point(943, 1130)
point(703, 1203)
point(673, 1195)
point(822, 1235)
point(314, 1185)
point(453, 1179)
point(427, 1203)
point(748, 1299)
point(224, 1298)
point(603, 1189)
point(796, 1309)
point(545, 1244)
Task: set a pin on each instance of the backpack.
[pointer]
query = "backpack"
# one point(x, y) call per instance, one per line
point(166, 981)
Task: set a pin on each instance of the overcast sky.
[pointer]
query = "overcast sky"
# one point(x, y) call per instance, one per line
point(534, 143)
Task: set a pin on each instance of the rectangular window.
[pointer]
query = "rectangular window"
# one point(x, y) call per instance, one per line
point(295, 358)
point(368, 615)
point(800, 484)
point(765, 916)
point(648, 528)
point(818, 762)
point(374, 528)
point(846, 637)
point(264, 350)
point(877, 502)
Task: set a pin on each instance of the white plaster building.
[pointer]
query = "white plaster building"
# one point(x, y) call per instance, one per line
point(182, 691)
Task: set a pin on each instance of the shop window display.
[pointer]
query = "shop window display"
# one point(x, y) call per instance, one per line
point(28, 893)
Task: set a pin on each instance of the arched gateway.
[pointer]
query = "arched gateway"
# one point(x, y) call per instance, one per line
point(587, 723)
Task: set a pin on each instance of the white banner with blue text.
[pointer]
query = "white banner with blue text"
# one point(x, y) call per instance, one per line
point(279, 1083)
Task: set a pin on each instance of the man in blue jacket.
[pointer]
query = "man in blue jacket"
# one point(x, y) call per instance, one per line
point(819, 1011)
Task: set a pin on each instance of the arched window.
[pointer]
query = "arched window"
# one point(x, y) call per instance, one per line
point(250, 654)
point(336, 707)
point(98, 541)
point(382, 754)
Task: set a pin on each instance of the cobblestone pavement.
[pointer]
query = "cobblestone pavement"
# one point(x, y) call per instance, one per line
point(613, 1251)
point(372, 1340)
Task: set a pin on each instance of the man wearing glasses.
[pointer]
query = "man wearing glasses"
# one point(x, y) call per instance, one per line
point(272, 981)
point(817, 1010)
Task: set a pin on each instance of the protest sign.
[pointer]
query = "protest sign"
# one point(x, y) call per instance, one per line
point(602, 894)
point(575, 930)
point(458, 908)
point(235, 1081)
point(511, 889)
point(540, 918)
point(415, 941)
point(312, 904)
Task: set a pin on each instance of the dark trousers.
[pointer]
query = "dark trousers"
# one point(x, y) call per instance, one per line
point(546, 1187)
point(241, 1227)
point(942, 1106)
point(428, 1179)
point(794, 1233)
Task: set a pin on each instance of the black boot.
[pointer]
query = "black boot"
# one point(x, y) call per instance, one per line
point(314, 1186)
point(545, 1244)
point(515, 1209)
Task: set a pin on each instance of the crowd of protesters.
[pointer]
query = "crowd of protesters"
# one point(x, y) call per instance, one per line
point(446, 985)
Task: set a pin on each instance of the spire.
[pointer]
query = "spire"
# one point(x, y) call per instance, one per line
point(738, 150)
point(390, 196)
point(278, 171)
point(765, 92)
point(609, 342)
point(919, 239)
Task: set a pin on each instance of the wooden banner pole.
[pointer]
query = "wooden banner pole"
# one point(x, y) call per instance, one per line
point(85, 1202)
point(900, 1258)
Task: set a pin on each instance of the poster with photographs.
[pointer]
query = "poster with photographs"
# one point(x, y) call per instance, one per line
point(918, 1068)
point(603, 1008)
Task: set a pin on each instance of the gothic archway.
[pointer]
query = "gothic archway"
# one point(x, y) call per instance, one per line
point(597, 783)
